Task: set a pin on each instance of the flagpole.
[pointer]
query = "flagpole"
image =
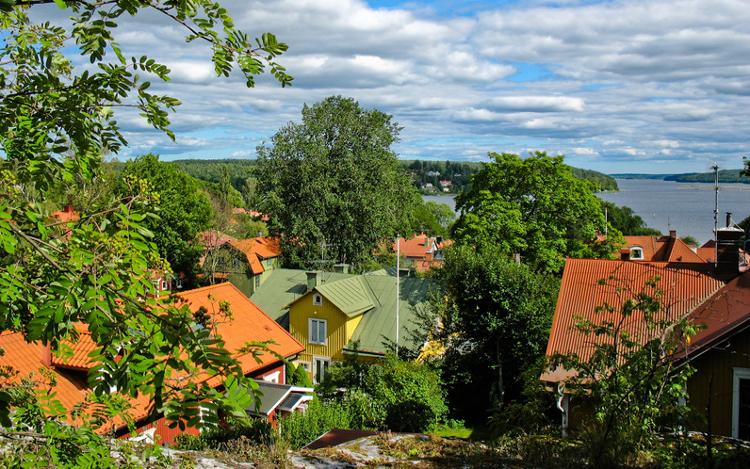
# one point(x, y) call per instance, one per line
point(398, 286)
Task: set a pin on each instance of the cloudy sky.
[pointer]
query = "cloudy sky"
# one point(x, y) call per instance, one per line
point(618, 86)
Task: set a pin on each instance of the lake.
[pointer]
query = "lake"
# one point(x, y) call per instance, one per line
point(664, 205)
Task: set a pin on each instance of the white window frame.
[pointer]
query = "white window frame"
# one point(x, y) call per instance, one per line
point(737, 375)
point(316, 321)
point(317, 299)
point(640, 250)
point(316, 359)
point(272, 377)
point(164, 285)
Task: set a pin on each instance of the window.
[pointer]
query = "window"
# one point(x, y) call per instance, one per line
point(273, 377)
point(320, 366)
point(317, 300)
point(317, 331)
point(257, 281)
point(636, 253)
point(741, 404)
point(164, 285)
point(179, 283)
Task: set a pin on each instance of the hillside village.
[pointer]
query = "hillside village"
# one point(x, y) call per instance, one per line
point(312, 303)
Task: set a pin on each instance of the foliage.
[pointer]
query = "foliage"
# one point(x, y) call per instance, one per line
point(634, 385)
point(333, 180)
point(495, 317)
point(297, 375)
point(599, 181)
point(57, 121)
point(393, 394)
point(257, 430)
point(433, 218)
point(725, 176)
point(534, 207)
point(626, 221)
point(300, 428)
point(183, 210)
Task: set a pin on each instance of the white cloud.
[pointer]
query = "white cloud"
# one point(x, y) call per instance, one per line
point(620, 80)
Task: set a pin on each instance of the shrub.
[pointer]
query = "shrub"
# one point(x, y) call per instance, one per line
point(297, 376)
point(299, 429)
point(258, 431)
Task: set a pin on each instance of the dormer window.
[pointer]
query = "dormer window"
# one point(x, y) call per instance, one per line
point(636, 253)
point(317, 299)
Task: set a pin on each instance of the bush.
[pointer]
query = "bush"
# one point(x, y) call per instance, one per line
point(297, 376)
point(299, 429)
point(394, 394)
point(258, 431)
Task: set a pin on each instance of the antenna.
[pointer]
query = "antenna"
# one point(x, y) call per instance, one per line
point(715, 167)
point(606, 222)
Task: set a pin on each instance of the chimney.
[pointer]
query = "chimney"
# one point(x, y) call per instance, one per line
point(728, 249)
point(672, 233)
point(341, 268)
point(312, 279)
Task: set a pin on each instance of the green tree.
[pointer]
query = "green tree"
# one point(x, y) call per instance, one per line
point(433, 218)
point(534, 207)
point(495, 317)
point(183, 210)
point(626, 221)
point(56, 122)
point(334, 180)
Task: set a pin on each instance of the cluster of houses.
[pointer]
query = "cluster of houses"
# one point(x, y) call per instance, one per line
point(314, 318)
point(709, 285)
point(310, 318)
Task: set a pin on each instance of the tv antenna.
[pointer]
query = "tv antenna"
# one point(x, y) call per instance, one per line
point(715, 168)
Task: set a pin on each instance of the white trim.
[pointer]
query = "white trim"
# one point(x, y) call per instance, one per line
point(314, 368)
point(738, 374)
point(640, 249)
point(273, 377)
point(317, 299)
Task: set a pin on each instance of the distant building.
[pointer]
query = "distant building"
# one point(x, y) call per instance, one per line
point(659, 249)
point(433, 174)
point(244, 262)
point(422, 252)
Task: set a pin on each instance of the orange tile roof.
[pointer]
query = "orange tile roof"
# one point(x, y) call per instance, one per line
point(662, 249)
point(418, 246)
point(247, 323)
point(256, 249)
point(67, 214)
point(685, 286)
point(82, 349)
point(214, 238)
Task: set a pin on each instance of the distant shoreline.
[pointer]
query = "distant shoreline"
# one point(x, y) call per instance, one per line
point(725, 176)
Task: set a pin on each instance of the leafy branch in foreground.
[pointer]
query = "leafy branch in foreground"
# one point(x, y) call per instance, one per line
point(58, 276)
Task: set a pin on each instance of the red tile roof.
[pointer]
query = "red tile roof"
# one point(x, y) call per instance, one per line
point(214, 238)
point(417, 247)
point(685, 286)
point(82, 349)
point(725, 312)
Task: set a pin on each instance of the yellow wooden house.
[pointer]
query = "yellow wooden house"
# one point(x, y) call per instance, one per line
point(335, 314)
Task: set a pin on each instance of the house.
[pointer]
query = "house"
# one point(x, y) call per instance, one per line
point(659, 249)
point(422, 252)
point(244, 262)
point(335, 314)
point(716, 297)
point(279, 399)
point(247, 323)
point(251, 213)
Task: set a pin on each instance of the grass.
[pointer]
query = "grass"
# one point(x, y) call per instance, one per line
point(445, 431)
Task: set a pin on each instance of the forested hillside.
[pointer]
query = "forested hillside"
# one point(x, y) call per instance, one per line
point(725, 175)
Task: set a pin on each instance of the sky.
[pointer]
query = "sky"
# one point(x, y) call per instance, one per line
point(656, 86)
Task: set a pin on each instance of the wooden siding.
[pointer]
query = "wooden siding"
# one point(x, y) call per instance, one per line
point(716, 367)
point(337, 331)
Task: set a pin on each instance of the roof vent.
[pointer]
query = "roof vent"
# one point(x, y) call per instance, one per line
point(341, 268)
point(312, 279)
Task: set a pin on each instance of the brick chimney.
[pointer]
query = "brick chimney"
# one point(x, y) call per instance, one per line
point(672, 233)
point(728, 249)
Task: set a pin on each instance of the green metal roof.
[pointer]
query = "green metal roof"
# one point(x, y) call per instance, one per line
point(371, 294)
point(350, 295)
point(284, 286)
point(379, 325)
